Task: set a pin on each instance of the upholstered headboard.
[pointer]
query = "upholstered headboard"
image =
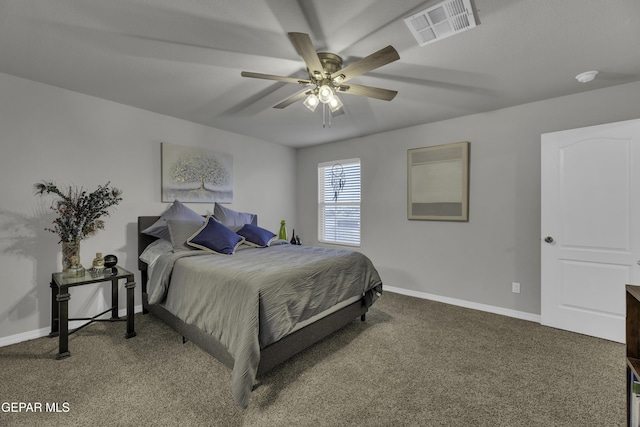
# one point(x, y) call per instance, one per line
point(144, 240)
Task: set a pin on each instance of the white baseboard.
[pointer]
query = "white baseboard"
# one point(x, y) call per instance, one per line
point(39, 333)
point(25, 336)
point(467, 304)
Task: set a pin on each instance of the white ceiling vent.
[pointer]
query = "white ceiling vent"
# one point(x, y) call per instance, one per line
point(440, 21)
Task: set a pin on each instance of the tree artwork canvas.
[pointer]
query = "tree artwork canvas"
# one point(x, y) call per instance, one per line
point(196, 175)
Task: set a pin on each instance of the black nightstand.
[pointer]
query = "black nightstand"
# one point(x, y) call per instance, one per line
point(60, 284)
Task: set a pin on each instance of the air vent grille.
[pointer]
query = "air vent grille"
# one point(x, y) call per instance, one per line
point(440, 21)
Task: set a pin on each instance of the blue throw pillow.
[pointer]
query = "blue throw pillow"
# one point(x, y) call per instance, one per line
point(177, 211)
point(215, 237)
point(256, 236)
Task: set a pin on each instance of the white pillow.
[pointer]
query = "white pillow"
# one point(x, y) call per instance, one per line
point(154, 250)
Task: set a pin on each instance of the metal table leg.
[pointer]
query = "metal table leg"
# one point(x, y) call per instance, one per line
point(114, 299)
point(63, 298)
point(55, 313)
point(130, 285)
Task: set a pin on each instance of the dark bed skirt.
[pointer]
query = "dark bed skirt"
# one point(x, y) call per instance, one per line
point(273, 354)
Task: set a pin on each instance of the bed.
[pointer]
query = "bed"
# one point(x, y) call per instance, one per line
point(258, 307)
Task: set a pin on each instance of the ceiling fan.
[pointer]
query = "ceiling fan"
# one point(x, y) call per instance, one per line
point(327, 78)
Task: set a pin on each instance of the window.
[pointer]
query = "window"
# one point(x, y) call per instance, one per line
point(339, 202)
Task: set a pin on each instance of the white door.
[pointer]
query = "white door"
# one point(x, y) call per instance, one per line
point(590, 227)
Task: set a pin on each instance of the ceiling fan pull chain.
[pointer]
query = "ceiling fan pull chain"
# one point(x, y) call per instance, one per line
point(325, 123)
point(324, 117)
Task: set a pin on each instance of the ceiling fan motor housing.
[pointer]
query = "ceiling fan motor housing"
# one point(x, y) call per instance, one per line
point(330, 62)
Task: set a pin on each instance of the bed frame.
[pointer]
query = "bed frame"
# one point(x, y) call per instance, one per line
point(271, 355)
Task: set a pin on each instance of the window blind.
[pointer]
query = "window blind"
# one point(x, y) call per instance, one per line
point(339, 202)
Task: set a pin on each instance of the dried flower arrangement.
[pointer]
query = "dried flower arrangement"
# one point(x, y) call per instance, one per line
point(79, 212)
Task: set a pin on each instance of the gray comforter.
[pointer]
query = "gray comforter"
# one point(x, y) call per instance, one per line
point(257, 296)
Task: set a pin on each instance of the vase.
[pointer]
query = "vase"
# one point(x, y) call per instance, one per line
point(283, 230)
point(70, 255)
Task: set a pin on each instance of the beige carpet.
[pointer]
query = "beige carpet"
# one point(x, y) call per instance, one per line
point(413, 363)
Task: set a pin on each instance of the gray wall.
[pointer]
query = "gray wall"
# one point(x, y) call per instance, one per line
point(53, 134)
point(50, 133)
point(477, 261)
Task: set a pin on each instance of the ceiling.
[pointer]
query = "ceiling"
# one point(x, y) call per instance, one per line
point(183, 58)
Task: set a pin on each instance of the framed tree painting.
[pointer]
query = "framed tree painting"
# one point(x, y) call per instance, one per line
point(196, 175)
point(438, 182)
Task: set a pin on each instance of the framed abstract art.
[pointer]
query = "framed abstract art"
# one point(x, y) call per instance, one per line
point(196, 175)
point(438, 182)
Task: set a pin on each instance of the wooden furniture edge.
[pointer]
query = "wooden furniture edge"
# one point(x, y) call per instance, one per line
point(634, 290)
point(632, 334)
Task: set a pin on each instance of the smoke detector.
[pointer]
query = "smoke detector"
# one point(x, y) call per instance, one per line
point(441, 21)
point(586, 77)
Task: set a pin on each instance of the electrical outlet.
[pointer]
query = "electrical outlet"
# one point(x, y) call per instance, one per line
point(515, 287)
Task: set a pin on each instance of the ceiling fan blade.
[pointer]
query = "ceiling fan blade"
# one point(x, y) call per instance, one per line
point(292, 99)
point(274, 77)
point(304, 46)
point(371, 92)
point(375, 60)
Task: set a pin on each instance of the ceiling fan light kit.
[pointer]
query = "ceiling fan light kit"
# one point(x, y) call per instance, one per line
point(311, 102)
point(327, 76)
point(325, 94)
point(335, 104)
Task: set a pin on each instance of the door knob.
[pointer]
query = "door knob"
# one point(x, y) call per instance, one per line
point(548, 239)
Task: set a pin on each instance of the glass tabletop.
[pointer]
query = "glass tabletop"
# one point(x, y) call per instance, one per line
point(90, 276)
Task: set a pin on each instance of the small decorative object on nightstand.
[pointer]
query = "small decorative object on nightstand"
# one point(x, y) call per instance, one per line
point(98, 263)
point(110, 262)
point(76, 269)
